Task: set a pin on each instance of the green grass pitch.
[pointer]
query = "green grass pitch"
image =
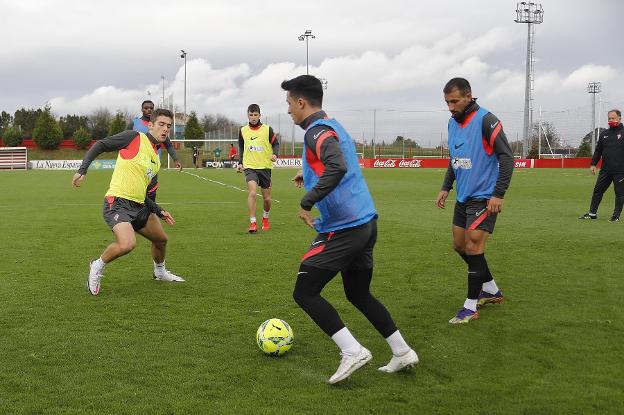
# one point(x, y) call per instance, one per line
point(141, 346)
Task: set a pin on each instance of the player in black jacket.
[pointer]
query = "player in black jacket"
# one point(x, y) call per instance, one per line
point(610, 147)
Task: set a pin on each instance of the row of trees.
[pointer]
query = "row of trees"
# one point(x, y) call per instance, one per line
point(48, 132)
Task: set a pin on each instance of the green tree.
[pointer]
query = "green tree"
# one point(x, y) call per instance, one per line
point(26, 120)
point(99, 121)
point(193, 131)
point(47, 133)
point(6, 120)
point(82, 138)
point(71, 123)
point(584, 149)
point(13, 137)
point(118, 124)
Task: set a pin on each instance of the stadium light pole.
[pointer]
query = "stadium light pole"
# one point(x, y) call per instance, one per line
point(594, 88)
point(531, 14)
point(307, 35)
point(183, 56)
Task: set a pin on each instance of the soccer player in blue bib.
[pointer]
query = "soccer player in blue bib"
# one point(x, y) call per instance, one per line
point(347, 232)
point(481, 162)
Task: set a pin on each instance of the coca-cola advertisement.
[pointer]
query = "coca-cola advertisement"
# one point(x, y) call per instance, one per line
point(396, 163)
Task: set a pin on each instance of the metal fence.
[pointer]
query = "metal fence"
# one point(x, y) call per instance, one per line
point(375, 131)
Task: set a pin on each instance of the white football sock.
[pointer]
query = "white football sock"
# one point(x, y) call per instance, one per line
point(159, 267)
point(470, 304)
point(397, 344)
point(265, 214)
point(252, 219)
point(490, 287)
point(99, 264)
point(347, 343)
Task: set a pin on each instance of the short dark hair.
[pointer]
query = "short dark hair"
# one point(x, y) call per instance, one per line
point(161, 112)
point(305, 86)
point(460, 84)
point(147, 101)
point(253, 108)
point(618, 112)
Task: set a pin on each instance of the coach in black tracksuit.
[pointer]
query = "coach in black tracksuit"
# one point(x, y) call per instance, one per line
point(610, 147)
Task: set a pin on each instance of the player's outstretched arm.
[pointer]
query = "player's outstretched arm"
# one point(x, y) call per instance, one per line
point(113, 143)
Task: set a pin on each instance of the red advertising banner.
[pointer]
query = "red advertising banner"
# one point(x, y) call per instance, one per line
point(442, 163)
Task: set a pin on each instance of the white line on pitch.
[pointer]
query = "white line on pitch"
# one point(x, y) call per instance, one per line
point(224, 184)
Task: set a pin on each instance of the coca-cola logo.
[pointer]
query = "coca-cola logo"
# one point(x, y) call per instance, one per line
point(385, 163)
point(409, 163)
point(393, 163)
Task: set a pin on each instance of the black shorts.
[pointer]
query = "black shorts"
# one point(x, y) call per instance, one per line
point(343, 249)
point(473, 214)
point(117, 210)
point(261, 176)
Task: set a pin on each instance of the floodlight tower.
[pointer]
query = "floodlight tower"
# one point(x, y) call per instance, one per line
point(531, 14)
point(594, 88)
point(308, 34)
point(183, 56)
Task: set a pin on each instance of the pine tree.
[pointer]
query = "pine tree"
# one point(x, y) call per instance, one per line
point(47, 133)
point(193, 131)
point(118, 124)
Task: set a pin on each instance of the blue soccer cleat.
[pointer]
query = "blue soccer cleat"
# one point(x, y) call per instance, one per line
point(463, 316)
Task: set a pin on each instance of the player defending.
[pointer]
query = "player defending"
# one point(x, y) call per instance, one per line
point(482, 163)
point(347, 232)
point(258, 148)
point(141, 125)
point(127, 209)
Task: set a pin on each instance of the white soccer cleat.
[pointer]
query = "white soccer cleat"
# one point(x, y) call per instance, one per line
point(398, 363)
point(167, 275)
point(349, 364)
point(93, 281)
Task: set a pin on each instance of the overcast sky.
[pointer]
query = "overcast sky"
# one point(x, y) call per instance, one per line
point(393, 56)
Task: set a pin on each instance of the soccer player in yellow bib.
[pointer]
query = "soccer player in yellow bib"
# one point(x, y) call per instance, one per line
point(258, 148)
point(127, 209)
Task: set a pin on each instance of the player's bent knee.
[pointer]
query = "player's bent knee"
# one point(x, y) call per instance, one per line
point(163, 239)
point(359, 299)
point(126, 246)
point(299, 297)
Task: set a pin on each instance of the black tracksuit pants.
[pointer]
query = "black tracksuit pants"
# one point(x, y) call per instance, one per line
point(603, 182)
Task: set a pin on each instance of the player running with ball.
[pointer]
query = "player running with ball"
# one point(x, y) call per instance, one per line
point(347, 232)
